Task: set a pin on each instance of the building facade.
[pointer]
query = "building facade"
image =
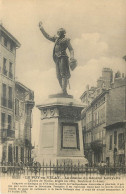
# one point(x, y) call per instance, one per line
point(94, 133)
point(104, 119)
point(8, 47)
point(116, 123)
point(24, 103)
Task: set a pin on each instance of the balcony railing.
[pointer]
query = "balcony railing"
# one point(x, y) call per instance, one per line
point(10, 133)
point(10, 104)
point(4, 71)
point(96, 122)
point(28, 143)
point(7, 133)
point(89, 125)
point(10, 75)
point(4, 133)
point(3, 101)
point(97, 145)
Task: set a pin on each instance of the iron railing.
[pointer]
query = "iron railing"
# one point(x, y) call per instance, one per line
point(10, 133)
point(5, 133)
point(10, 103)
point(4, 71)
point(57, 169)
point(89, 125)
point(10, 75)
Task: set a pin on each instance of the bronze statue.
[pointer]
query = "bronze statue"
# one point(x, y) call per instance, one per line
point(60, 56)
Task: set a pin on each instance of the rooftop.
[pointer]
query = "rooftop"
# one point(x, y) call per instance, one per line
point(10, 36)
point(22, 86)
point(92, 89)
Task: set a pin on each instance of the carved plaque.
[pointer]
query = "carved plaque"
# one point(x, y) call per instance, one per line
point(69, 136)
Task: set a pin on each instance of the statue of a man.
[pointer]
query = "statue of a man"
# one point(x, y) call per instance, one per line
point(60, 56)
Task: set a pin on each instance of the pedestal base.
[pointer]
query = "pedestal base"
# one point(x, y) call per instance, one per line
point(61, 140)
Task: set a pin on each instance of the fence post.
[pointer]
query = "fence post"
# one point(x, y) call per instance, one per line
point(43, 168)
point(61, 168)
point(46, 168)
point(13, 170)
point(64, 168)
point(53, 168)
point(90, 170)
point(50, 167)
point(71, 168)
point(57, 166)
point(78, 167)
point(39, 169)
point(27, 170)
point(32, 168)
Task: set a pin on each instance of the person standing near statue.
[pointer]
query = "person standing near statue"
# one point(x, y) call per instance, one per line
point(60, 56)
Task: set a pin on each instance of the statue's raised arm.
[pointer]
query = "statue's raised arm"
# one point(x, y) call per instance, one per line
point(45, 34)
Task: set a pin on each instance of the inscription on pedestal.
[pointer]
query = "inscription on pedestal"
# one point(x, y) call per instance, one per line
point(70, 136)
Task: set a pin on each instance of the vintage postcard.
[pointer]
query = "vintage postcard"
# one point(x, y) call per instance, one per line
point(62, 96)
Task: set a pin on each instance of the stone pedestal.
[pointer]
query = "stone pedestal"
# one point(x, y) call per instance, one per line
point(60, 137)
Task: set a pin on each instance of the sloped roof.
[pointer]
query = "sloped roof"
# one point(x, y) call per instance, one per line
point(10, 36)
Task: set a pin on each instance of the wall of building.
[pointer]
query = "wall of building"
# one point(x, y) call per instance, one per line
point(116, 105)
point(93, 123)
point(16, 146)
point(23, 110)
point(114, 145)
point(108, 107)
point(7, 55)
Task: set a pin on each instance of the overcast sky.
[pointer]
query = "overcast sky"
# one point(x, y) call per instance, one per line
point(97, 30)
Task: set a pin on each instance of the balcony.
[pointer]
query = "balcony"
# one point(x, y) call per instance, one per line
point(10, 104)
point(10, 133)
point(28, 143)
point(4, 71)
point(89, 126)
point(4, 101)
point(95, 123)
point(97, 145)
point(5, 133)
point(98, 122)
point(10, 75)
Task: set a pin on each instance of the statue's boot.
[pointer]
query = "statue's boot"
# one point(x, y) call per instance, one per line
point(60, 82)
point(64, 85)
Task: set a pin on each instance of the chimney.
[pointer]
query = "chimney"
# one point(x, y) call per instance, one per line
point(119, 81)
point(107, 76)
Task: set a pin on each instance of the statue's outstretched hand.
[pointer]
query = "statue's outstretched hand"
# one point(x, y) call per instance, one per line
point(40, 24)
